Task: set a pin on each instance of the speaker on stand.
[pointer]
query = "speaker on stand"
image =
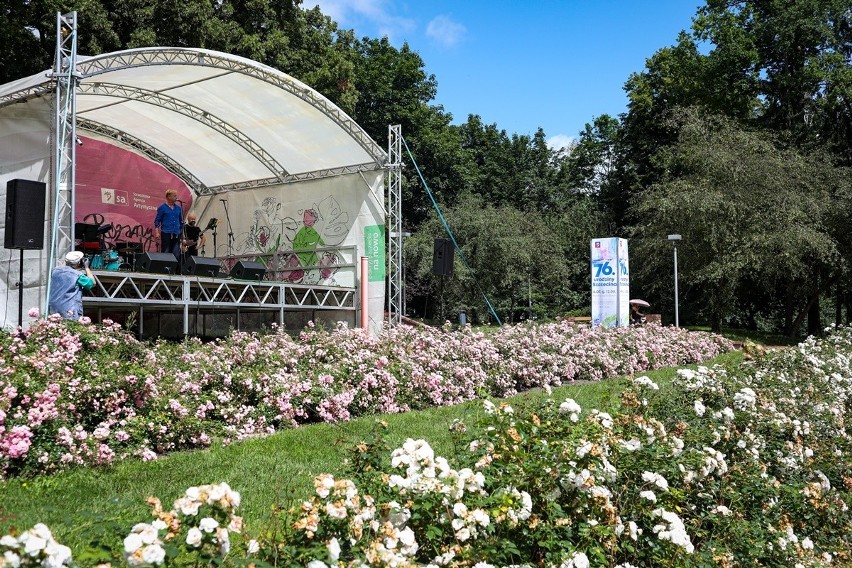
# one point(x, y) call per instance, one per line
point(442, 264)
point(24, 225)
point(24, 214)
point(442, 257)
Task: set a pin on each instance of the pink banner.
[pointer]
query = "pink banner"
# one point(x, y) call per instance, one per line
point(119, 187)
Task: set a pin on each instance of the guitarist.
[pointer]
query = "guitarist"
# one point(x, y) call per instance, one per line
point(192, 238)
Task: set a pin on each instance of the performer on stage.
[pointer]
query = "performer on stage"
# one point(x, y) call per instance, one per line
point(169, 220)
point(193, 238)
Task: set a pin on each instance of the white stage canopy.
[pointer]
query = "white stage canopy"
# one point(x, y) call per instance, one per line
point(236, 133)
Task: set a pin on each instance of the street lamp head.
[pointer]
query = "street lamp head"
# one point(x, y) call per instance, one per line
point(674, 237)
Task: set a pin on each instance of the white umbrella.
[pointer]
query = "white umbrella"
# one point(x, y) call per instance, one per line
point(639, 302)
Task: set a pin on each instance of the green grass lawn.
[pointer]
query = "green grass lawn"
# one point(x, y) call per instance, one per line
point(270, 471)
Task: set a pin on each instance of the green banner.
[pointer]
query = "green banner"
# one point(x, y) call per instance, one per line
point(374, 249)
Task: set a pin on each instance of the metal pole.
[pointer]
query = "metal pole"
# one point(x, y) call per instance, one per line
point(21, 292)
point(365, 295)
point(677, 322)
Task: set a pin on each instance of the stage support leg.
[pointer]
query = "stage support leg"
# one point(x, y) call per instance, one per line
point(365, 298)
point(185, 308)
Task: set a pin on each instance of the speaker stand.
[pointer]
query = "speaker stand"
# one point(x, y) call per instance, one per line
point(442, 299)
point(20, 285)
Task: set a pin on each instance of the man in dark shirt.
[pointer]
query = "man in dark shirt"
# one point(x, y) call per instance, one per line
point(192, 239)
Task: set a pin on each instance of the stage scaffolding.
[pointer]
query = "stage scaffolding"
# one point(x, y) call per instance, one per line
point(197, 300)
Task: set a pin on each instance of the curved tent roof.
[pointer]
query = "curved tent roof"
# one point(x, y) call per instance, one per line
point(218, 121)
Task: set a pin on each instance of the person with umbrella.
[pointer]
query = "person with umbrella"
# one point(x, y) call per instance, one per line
point(636, 316)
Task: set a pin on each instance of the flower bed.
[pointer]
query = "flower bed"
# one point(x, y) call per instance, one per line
point(728, 467)
point(78, 394)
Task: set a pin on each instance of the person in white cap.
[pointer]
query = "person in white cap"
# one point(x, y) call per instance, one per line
point(67, 284)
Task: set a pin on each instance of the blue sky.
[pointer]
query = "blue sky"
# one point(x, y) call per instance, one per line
point(523, 65)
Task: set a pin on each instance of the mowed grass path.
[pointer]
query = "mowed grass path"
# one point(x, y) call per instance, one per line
point(273, 471)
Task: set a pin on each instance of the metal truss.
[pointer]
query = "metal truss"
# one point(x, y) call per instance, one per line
point(64, 141)
point(156, 56)
point(33, 92)
point(151, 151)
point(143, 289)
point(154, 291)
point(290, 178)
point(396, 282)
point(186, 109)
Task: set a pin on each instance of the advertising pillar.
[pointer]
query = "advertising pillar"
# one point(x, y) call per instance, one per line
point(610, 282)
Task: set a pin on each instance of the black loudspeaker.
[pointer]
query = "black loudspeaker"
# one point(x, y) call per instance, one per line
point(201, 266)
point(247, 270)
point(157, 262)
point(442, 257)
point(24, 214)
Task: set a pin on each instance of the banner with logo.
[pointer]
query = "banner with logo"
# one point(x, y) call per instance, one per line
point(610, 282)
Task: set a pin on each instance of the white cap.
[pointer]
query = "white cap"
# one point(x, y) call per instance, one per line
point(74, 257)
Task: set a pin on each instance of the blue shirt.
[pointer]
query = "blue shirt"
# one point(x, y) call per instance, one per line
point(66, 292)
point(169, 219)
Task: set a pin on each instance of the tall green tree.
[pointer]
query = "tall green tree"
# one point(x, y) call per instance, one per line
point(751, 212)
point(795, 54)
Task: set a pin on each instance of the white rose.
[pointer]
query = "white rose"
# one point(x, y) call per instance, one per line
point(193, 537)
point(132, 543)
point(154, 554)
point(11, 559)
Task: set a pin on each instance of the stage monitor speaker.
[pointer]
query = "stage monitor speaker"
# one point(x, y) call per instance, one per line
point(157, 263)
point(247, 270)
point(201, 266)
point(442, 257)
point(24, 214)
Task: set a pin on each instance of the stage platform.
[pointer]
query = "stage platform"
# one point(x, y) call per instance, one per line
point(161, 305)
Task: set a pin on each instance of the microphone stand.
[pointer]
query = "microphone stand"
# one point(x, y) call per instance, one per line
point(182, 238)
point(211, 226)
point(230, 234)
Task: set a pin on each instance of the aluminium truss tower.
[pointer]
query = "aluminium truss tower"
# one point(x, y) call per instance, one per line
point(64, 141)
point(396, 282)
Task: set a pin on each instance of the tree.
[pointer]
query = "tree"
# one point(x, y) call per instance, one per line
point(797, 54)
point(751, 211)
point(783, 67)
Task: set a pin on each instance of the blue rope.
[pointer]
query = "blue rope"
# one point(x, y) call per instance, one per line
point(447, 229)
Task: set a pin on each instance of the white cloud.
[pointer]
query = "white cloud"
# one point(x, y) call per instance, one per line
point(560, 142)
point(445, 31)
point(356, 13)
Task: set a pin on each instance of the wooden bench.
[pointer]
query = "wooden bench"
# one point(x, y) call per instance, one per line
point(579, 319)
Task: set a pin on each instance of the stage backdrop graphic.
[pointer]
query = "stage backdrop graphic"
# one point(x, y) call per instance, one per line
point(119, 187)
point(610, 282)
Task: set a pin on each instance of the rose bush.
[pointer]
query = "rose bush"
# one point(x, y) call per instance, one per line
point(73, 393)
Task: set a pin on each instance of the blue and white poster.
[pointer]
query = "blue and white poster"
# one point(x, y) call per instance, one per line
point(610, 282)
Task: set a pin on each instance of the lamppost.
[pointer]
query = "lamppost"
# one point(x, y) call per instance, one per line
point(674, 239)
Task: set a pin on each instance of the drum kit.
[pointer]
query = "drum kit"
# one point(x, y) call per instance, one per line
point(100, 255)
